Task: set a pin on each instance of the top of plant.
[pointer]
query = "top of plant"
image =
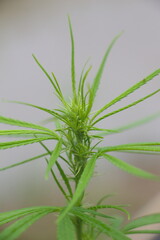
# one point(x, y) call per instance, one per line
point(75, 134)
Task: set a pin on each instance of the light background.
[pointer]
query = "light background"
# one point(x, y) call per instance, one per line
point(41, 27)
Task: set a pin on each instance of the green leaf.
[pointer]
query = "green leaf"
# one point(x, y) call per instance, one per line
point(93, 212)
point(144, 231)
point(53, 174)
point(105, 228)
point(57, 85)
point(105, 197)
point(46, 73)
point(126, 107)
point(98, 76)
point(11, 121)
point(6, 217)
point(81, 85)
point(117, 207)
point(117, 222)
point(66, 229)
point(134, 124)
point(24, 132)
point(142, 221)
point(129, 168)
point(127, 92)
point(65, 178)
point(5, 145)
point(54, 83)
point(33, 214)
point(23, 162)
point(144, 147)
point(58, 183)
point(53, 158)
point(59, 92)
point(82, 79)
point(85, 177)
point(16, 229)
point(72, 60)
point(53, 113)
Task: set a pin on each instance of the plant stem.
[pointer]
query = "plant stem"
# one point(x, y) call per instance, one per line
point(79, 222)
point(79, 228)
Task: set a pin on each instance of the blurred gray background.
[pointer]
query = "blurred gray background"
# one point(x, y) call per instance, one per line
point(41, 27)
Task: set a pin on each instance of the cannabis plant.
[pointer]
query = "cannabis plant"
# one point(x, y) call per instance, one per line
point(77, 143)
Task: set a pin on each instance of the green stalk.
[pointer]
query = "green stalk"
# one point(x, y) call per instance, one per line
point(82, 161)
point(78, 221)
point(79, 228)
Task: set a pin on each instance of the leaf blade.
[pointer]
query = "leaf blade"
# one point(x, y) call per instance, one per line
point(16, 229)
point(142, 221)
point(126, 107)
point(144, 147)
point(129, 168)
point(144, 231)
point(53, 113)
point(45, 72)
point(96, 81)
point(66, 230)
point(130, 125)
point(15, 122)
point(72, 61)
point(127, 92)
point(85, 177)
point(65, 178)
point(93, 212)
point(23, 162)
point(117, 207)
point(6, 145)
point(24, 132)
point(107, 229)
point(53, 158)
point(6, 217)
